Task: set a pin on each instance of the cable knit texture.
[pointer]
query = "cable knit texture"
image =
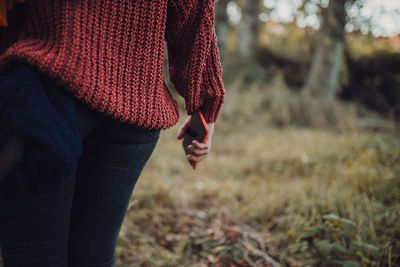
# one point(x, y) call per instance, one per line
point(109, 55)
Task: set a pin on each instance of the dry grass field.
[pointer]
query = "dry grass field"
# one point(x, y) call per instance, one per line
point(253, 201)
point(290, 181)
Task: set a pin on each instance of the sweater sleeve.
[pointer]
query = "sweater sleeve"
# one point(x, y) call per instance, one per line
point(193, 58)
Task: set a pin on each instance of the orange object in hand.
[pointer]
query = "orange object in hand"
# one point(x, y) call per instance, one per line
point(5, 6)
point(196, 130)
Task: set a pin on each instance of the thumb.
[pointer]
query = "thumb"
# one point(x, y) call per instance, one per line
point(183, 128)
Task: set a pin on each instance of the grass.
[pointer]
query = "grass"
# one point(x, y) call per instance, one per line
point(251, 198)
point(279, 164)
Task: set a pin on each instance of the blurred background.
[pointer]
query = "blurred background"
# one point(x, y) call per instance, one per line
point(304, 168)
point(305, 160)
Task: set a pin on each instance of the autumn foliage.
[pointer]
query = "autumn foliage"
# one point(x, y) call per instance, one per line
point(5, 6)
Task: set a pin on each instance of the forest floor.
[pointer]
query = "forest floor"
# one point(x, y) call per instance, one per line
point(324, 193)
point(259, 191)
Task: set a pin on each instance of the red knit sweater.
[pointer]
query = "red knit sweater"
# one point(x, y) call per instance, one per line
point(109, 55)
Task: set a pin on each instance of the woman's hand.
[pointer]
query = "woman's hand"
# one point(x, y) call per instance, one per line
point(200, 150)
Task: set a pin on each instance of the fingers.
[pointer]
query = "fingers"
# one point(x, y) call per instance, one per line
point(198, 148)
point(199, 145)
point(198, 152)
point(196, 158)
point(181, 132)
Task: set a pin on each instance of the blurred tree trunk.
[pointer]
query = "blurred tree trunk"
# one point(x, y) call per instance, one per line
point(249, 28)
point(324, 74)
point(222, 26)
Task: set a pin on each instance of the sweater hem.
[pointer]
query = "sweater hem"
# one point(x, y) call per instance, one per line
point(84, 96)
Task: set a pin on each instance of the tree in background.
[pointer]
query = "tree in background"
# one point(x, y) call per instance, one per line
point(221, 25)
point(249, 28)
point(324, 44)
point(323, 78)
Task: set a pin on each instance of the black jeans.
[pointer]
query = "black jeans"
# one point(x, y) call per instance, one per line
point(79, 225)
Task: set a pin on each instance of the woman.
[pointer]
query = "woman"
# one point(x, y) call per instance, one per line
point(84, 102)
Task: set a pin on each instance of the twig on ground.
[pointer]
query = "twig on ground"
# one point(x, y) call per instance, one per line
point(261, 254)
